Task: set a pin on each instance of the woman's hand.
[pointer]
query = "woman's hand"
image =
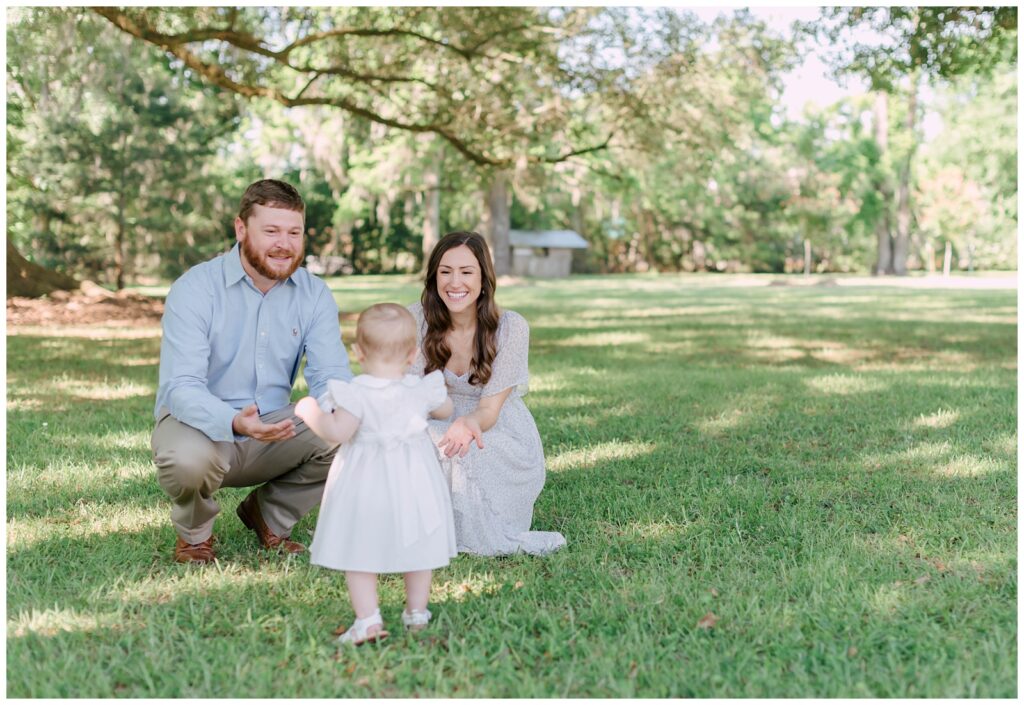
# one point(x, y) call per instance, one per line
point(459, 437)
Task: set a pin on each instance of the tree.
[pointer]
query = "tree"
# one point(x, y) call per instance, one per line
point(917, 44)
point(114, 160)
point(664, 194)
point(967, 181)
point(445, 71)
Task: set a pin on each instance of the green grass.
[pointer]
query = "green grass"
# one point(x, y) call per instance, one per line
point(830, 471)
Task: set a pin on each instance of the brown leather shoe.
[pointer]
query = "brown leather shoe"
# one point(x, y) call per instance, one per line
point(201, 552)
point(249, 512)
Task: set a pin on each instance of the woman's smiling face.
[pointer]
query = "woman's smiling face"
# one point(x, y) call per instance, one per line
point(458, 279)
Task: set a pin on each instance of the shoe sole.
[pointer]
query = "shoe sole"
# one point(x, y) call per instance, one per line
point(193, 561)
point(376, 638)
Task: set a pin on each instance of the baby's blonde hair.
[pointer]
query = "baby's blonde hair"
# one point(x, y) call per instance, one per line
point(386, 331)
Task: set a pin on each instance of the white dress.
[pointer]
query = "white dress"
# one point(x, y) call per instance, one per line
point(494, 489)
point(386, 506)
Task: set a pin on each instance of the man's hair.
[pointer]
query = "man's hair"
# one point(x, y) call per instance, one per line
point(387, 330)
point(271, 193)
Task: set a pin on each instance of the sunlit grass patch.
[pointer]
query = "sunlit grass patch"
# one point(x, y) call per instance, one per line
point(51, 622)
point(841, 355)
point(1005, 444)
point(969, 466)
point(589, 456)
point(772, 342)
point(101, 391)
point(678, 347)
point(778, 355)
point(92, 332)
point(605, 339)
point(28, 404)
point(888, 599)
point(190, 583)
point(600, 306)
point(655, 530)
point(83, 519)
point(724, 421)
point(943, 418)
point(845, 384)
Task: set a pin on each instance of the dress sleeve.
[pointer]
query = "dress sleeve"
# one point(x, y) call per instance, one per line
point(434, 390)
point(512, 360)
point(346, 396)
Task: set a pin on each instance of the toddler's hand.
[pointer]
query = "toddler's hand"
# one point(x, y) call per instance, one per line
point(306, 407)
point(459, 436)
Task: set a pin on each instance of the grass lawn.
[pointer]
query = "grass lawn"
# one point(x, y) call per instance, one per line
point(767, 491)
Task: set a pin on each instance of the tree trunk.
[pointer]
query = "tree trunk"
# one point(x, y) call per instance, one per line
point(498, 224)
point(26, 278)
point(333, 243)
point(929, 257)
point(576, 218)
point(901, 246)
point(119, 238)
point(883, 264)
point(432, 203)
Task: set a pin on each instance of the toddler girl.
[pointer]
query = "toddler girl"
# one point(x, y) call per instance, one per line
point(386, 506)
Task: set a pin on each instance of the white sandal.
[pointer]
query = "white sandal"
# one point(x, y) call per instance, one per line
point(415, 620)
point(357, 633)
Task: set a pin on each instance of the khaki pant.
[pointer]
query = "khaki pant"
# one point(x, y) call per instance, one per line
point(190, 468)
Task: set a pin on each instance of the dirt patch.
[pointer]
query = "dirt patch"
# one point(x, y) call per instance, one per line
point(90, 305)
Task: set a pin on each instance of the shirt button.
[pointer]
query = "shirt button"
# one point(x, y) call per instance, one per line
point(263, 332)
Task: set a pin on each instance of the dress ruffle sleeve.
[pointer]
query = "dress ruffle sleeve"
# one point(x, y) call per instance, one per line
point(434, 390)
point(511, 363)
point(346, 396)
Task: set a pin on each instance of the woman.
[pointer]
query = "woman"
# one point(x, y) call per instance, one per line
point(483, 353)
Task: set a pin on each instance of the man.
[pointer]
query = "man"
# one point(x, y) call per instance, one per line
point(234, 331)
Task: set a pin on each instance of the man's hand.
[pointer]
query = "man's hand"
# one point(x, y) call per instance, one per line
point(460, 436)
point(247, 423)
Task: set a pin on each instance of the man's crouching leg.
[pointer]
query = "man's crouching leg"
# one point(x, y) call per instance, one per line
point(190, 468)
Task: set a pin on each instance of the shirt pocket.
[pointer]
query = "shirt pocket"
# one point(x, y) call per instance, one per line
point(285, 347)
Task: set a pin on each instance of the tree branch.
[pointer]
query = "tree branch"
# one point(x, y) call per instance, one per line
point(176, 46)
point(578, 152)
point(308, 84)
point(367, 32)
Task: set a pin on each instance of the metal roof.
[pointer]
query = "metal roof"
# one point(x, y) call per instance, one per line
point(547, 238)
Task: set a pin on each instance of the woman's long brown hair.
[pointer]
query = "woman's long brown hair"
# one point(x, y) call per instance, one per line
point(485, 344)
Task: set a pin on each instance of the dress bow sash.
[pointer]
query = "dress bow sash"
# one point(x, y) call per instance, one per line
point(416, 512)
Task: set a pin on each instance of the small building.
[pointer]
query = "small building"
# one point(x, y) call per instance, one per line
point(544, 253)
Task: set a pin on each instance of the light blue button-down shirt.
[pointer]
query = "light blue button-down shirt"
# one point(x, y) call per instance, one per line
point(227, 345)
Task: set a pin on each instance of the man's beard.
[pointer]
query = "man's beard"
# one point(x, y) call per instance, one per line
point(260, 264)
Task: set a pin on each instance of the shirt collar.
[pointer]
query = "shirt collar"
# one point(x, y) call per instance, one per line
point(381, 382)
point(233, 271)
